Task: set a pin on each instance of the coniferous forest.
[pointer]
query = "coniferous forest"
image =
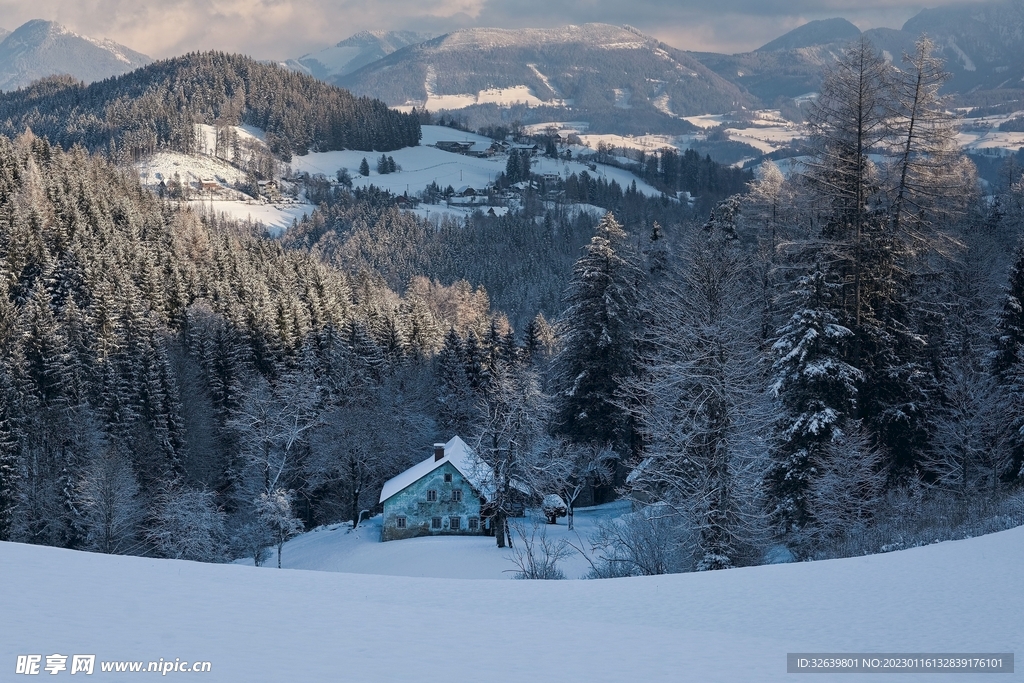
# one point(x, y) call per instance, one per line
point(156, 107)
point(826, 364)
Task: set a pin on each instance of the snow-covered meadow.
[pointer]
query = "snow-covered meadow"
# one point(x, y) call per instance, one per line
point(258, 624)
point(339, 548)
point(425, 164)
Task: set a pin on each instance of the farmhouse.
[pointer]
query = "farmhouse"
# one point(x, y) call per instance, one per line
point(454, 146)
point(443, 495)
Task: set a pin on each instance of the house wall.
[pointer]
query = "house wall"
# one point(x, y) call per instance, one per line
point(412, 502)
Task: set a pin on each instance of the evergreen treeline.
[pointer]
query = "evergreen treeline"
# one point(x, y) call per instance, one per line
point(523, 259)
point(165, 380)
point(156, 106)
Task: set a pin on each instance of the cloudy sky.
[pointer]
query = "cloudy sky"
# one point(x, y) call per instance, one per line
point(277, 29)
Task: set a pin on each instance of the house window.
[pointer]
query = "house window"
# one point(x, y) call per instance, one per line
point(431, 496)
point(474, 524)
point(456, 496)
point(447, 477)
point(455, 523)
point(435, 523)
point(400, 522)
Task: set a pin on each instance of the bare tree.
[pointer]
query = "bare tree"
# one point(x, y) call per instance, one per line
point(274, 509)
point(354, 450)
point(569, 469)
point(971, 441)
point(536, 555)
point(848, 120)
point(111, 508)
point(652, 541)
point(272, 420)
point(928, 173)
point(510, 437)
point(701, 402)
point(846, 490)
point(188, 525)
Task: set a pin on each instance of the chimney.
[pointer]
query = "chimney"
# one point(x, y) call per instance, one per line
point(438, 451)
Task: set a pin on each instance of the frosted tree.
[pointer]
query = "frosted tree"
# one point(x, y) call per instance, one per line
point(928, 173)
point(972, 434)
point(354, 450)
point(817, 391)
point(188, 525)
point(848, 119)
point(270, 422)
point(847, 485)
point(597, 337)
point(570, 469)
point(1007, 358)
point(509, 438)
point(700, 403)
point(8, 456)
point(110, 506)
point(274, 510)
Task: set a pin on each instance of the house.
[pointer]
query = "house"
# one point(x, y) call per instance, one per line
point(209, 185)
point(443, 495)
point(454, 146)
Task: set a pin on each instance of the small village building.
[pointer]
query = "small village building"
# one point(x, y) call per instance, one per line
point(444, 495)
point(454, 146)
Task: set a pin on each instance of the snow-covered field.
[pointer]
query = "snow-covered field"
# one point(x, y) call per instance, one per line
point(738, 625)
point(983, 134)
point(425, 164)
point(277, 217)
point(337, 548)
point(189, 168)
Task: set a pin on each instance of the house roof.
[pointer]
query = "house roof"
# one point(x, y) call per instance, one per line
point(462, 458)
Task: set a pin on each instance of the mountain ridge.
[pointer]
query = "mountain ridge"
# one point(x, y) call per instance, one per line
point(588, 72)
point(40, 48)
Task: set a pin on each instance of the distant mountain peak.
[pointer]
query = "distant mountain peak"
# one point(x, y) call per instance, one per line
point(40, 48)
point(819, 32)
point(354, 52)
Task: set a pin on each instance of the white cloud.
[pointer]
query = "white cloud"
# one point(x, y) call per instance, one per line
point(276, 29)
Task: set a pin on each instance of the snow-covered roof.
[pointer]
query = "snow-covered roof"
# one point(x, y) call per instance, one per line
point(456, 452)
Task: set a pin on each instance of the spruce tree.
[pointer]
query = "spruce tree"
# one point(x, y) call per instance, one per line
point(1007, 359)
point(817, 390)
point(598, 333)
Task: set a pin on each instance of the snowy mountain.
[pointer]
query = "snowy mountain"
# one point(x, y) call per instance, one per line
point(44, 48)
point(982, 45)
point(354, 53)
point(616, 78)
point(821, 32)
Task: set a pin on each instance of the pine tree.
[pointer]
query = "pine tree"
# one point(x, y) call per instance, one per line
point(8, 456)
point(455, 396)
point(817, 390)
point(1007, 359)
point(597, 334)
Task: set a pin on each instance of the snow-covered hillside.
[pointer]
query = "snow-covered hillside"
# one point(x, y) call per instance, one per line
point(425, 164)
point(194, 169)
point(737, 625)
